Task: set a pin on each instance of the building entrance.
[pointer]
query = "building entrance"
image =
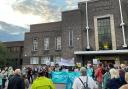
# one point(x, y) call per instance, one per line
point(108, 59)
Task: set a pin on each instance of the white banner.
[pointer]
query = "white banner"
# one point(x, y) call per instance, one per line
point(95, 61)
point(67, 62)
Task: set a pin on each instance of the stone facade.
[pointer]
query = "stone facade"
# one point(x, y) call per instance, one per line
point(75, 21)
point(16, 49)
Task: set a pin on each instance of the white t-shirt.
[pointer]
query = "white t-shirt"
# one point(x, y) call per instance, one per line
point(78, 84)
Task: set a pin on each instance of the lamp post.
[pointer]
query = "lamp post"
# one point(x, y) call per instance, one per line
point(87, 27)
point(122, 25)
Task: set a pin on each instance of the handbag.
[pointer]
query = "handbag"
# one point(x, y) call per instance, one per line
point(85, 87)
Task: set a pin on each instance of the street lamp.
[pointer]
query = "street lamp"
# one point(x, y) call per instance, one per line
point(122, 25)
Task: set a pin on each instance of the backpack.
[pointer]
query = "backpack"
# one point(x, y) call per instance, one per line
point(85, 87)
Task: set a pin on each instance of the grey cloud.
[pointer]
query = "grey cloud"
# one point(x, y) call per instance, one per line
point(42, 8)
point(9, 32)
point(48, 10)
point(12, 29)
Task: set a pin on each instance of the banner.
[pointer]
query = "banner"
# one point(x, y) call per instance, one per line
point(59, 77)
point(65, 77)
point(70, 80)
point(67, 62)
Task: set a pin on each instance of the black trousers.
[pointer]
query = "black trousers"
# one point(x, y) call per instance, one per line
point(3, 83)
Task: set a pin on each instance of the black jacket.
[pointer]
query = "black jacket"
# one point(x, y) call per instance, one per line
point(16, 82)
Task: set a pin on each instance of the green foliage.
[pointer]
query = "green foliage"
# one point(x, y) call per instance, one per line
point(3, 54)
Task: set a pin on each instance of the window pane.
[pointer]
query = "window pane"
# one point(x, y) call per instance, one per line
point(71, 38)
point(34, 60)
point(45, 60)
point(35, 44)
point(104, 33)
point(46, 43)
point(58, 43)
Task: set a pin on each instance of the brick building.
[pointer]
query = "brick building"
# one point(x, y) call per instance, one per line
point(15, 49)
point(96, 30)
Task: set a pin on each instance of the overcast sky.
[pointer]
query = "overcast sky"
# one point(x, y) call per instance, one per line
point(26, 12)
point(17, 15)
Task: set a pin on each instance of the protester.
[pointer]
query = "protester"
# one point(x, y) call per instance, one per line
point(84, 81)
point(126, 79)
point(1, 77)
point(99, 75)
point(42, 82)
point(122, 72)
point(57, 67)
point(4, 74)
point(106, 77)
point(26, 82)
point(24, 71)
point(29, 75)
point(16, 82)
point(114, 82)
point(90, 71)
point(10, 72)
point(35, 72)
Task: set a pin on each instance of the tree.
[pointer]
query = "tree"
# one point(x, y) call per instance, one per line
point(3, 54)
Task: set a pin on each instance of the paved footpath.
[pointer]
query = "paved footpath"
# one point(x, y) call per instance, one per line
point(58, 86)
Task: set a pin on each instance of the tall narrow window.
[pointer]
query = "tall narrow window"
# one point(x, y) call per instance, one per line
point(35, 44)
point(71, 38)
point(104, 33)
point(46, 43)
point(58, 43)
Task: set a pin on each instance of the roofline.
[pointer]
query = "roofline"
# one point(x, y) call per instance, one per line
point(101, 52)
point(70, 10)
point(46, 23)
point(12, 41)
point(88, 1)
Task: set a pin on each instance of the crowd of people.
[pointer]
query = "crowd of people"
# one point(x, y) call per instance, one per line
point(98, 76)
point(102, 77)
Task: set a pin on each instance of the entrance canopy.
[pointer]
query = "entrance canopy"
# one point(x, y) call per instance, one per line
point(101, 52)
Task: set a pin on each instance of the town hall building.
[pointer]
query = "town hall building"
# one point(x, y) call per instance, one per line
point(98, 29)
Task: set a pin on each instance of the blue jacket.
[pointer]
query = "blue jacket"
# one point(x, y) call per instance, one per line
point(16, 82)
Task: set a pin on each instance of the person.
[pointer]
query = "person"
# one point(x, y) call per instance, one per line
point(122, 72)
point(10, 72)
point(4, 74)
point(126, 79)
point(114, 82)
point(42, 82)
point(35, 72)
point(26, 82)
point(99, 75)
point(16, 82)
point(84, 81)
point(29, 75)
point(1, 77)
point(90, 71)
point(106, 77)
point(24, 71)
